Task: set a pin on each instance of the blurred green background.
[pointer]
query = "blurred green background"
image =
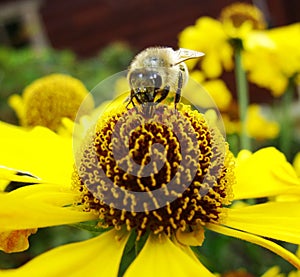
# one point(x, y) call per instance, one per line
point(19, 67)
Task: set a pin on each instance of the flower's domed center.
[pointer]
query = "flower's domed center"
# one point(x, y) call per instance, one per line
point(239, 13)
point(47, 100)
point(157, 173)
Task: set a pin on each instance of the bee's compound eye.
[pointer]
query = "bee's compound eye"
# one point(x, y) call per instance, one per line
point(142, 78)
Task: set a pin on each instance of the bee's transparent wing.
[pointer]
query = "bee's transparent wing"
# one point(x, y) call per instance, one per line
point(184, 54)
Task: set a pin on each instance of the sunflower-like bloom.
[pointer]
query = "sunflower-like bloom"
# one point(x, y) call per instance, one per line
point(217, 38)
point(277, 51)
point(240, 18)
point(152, 184)
point(49, 99)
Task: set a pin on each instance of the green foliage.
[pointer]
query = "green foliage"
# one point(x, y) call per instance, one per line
point(18, 68)
point(224, 254)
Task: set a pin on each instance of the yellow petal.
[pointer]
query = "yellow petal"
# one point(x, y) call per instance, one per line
point(277, 220)
point(3, 184)
point(99, 256)
point(265, 173)
point(15, 241)
point(39, 151)
point(272, 246)
point(296, 163)
point(161, 258)
point(8, 175)
point(38, 206)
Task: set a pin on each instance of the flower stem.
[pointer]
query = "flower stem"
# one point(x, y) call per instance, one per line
point(243, 98)
point(286, 121)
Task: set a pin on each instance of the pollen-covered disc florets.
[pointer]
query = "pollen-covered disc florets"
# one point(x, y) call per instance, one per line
point(155, 169)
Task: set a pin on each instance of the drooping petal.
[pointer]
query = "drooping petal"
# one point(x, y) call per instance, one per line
point(276, 220)
point(15, 241)
point(161, 258)
point(40, 152)
point(274, 247)
point(99, 256)
point(265, 173)
point(38, 206)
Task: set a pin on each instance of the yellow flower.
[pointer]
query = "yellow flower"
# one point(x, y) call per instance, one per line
point(277, 51)
point(49, 99)
point(208, 36)
point(214, 37)
point(219, 92)
point(164, 197)
point(258, 126)
point(240, 18)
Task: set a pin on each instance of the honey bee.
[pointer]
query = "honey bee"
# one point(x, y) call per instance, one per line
point(156, 71)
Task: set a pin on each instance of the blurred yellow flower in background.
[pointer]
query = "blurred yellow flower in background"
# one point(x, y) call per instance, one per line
point(239, 19)
point(219, 92)
point(259, 127)
point(49, 99)
point(272, 57)
point(216, 88)
point(208, 36)
point(269, 58)
point(214, 37)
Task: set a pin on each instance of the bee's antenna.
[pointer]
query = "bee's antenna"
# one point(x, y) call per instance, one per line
point(187, 54)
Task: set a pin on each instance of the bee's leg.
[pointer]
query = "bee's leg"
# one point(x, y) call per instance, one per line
point(179, 88)
point(130, 101)
point(133, 94)
point(164, 94)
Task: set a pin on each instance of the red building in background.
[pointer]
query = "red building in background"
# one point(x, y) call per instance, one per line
point(86, 26)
